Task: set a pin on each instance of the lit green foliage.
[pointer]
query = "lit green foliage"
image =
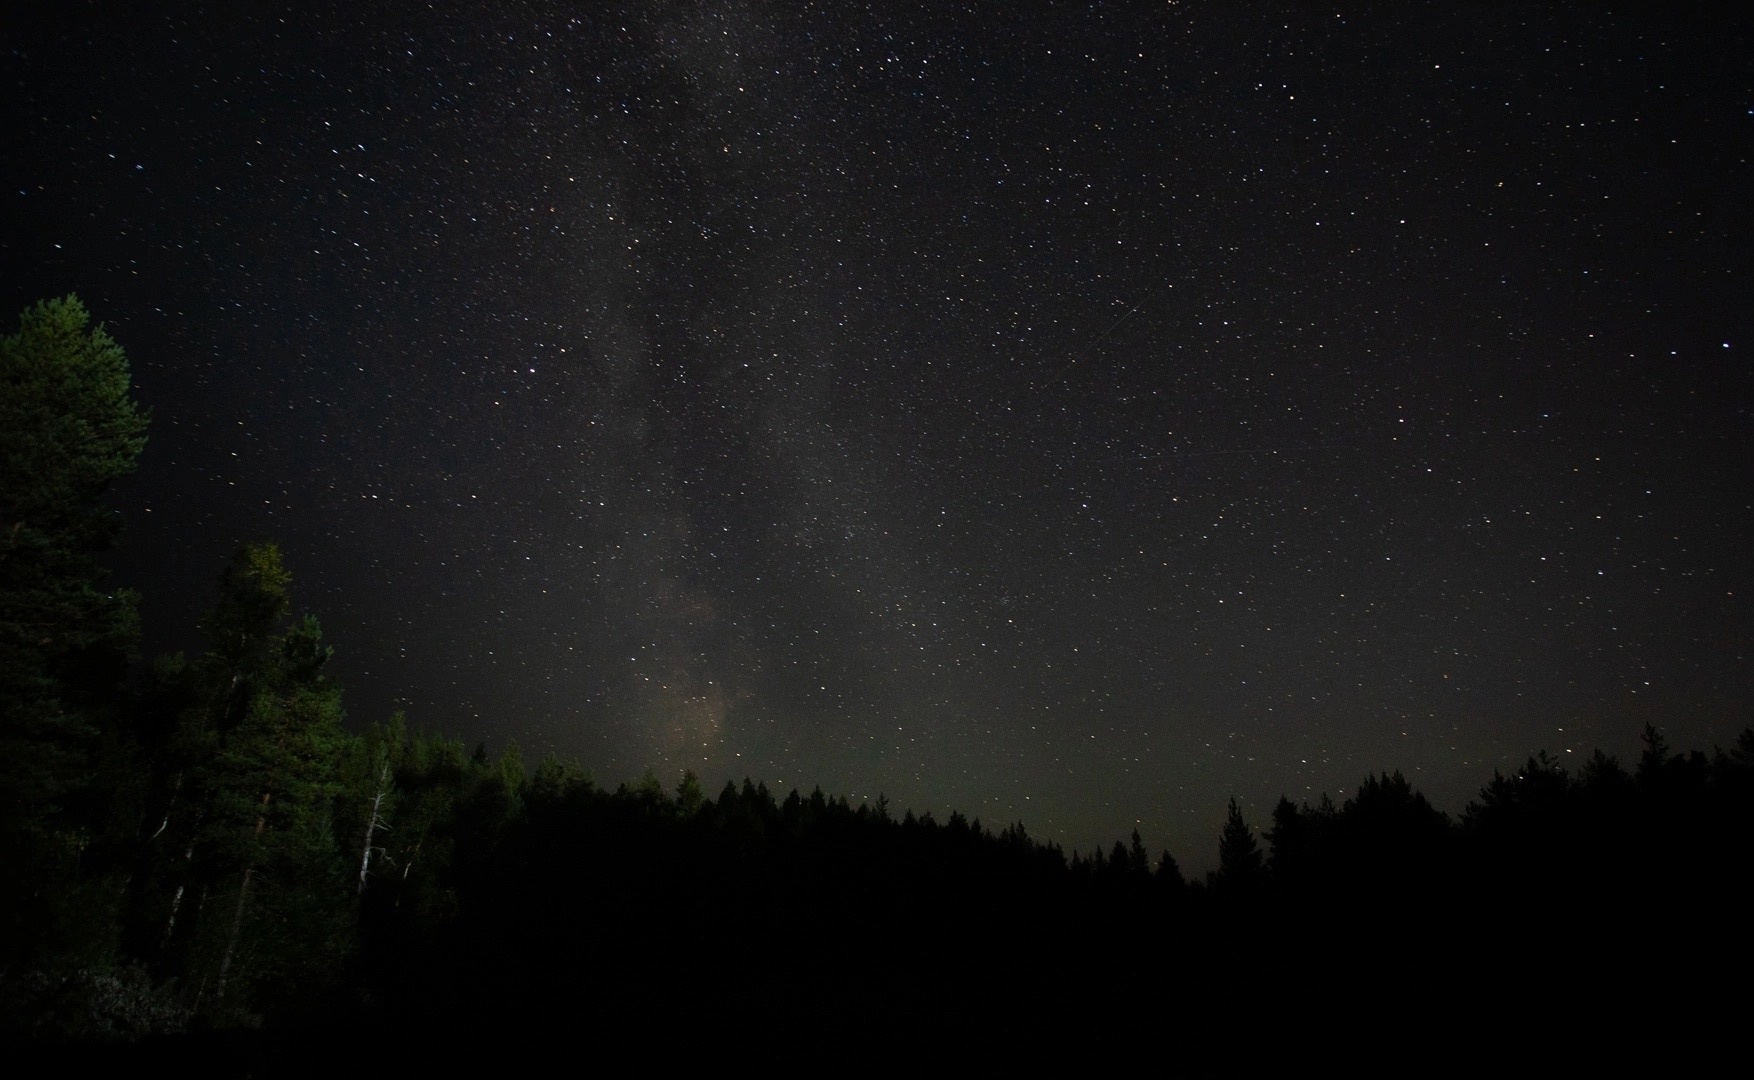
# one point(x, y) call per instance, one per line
point(428, 774)
point(254, 595)
point(278, 769)
point(690, 796)
point(68, 427)
point(259, 756)
point(68, 424)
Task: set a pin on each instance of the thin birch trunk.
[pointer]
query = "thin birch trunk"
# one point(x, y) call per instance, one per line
point(188, 860)
point(237, 927)
point(237, 919)
point(372, 825)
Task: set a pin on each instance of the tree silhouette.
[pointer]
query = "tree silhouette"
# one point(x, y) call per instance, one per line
point(68, 427)
point(1389, 829)
point(1239, 854)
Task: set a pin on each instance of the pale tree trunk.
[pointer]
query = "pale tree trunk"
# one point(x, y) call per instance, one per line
point(237, 927)
point(170, 924)
point(408, 865)
point(176, 789)
point(188, 860)
point(372, 825)
point(237, 919)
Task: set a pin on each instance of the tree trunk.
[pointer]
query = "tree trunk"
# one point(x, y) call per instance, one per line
point(372, 825)
point(237, 927)
point(237, 919)
point(188, 861)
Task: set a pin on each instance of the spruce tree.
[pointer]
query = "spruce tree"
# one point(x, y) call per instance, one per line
point(68, 428)
point(1239, 855)
point(256, 901)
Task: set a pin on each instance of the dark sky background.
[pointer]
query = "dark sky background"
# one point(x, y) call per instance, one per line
point(1075, 414)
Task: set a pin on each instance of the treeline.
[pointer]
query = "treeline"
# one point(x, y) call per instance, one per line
point(204, 847)
point(262, 866)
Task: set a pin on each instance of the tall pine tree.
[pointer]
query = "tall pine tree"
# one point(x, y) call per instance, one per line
point(255, 898)
point(1240, 865)
point(68, 428)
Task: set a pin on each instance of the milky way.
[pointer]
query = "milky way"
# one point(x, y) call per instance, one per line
point(1065, 416)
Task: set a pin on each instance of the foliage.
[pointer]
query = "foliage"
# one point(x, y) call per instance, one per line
point(68, 428)
point(243, 896)
point(1240, 865)
point(216, 849)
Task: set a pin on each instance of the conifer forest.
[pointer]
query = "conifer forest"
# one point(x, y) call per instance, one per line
point(207, 855)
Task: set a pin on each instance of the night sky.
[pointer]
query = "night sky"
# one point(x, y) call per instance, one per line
point(1075, 414)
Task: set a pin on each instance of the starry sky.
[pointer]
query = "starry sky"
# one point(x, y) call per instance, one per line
point(1067, 413)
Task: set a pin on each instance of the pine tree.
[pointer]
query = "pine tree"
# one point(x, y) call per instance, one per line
point(1239, 854)
point(1289, 843)
point(690, 797)
point(68, 428)
point(274, 785)
point(1169, 874)
point(257, 892)
point(216, 690)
